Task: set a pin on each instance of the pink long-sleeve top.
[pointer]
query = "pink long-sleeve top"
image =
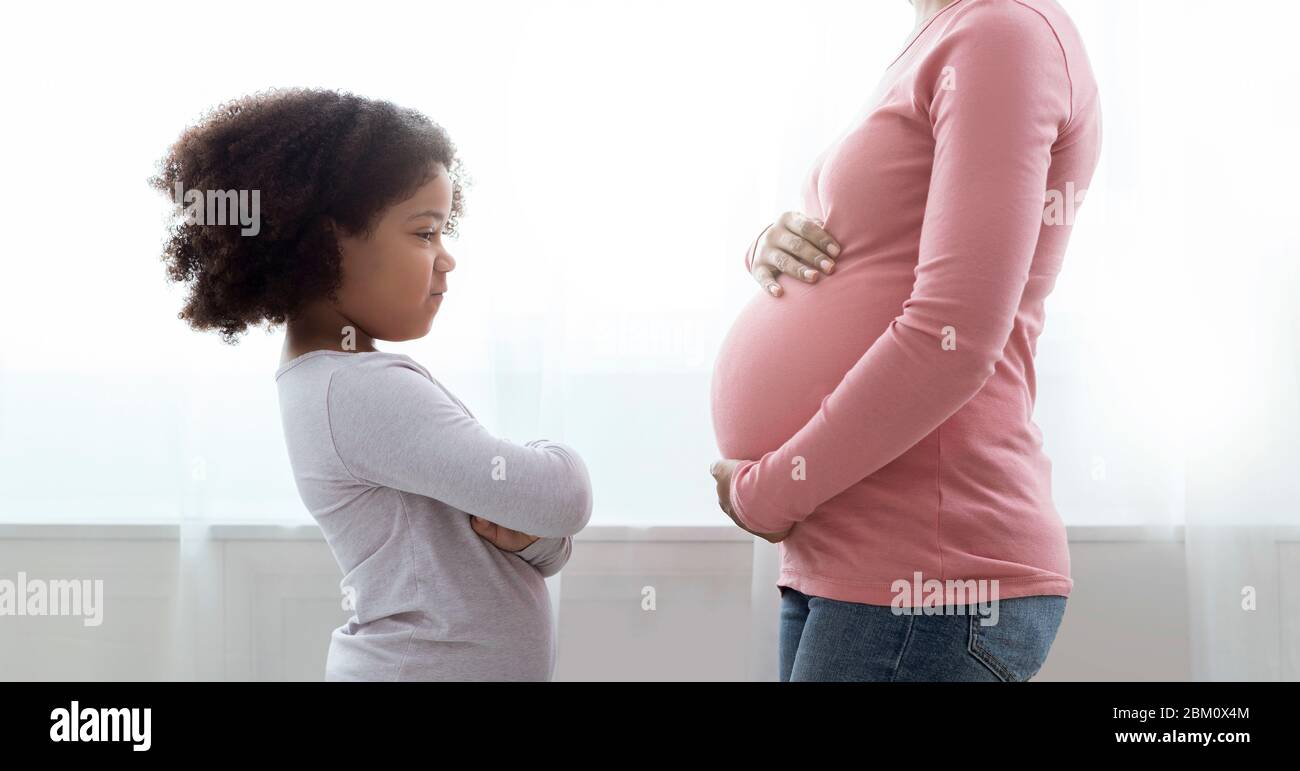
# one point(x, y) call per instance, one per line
point(885, 412)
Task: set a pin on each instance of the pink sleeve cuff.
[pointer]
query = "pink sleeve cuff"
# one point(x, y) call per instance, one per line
point(749, 255)
point(745, 516)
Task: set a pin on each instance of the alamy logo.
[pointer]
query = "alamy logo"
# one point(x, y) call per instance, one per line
point(103, 724)
point(952, 596)
point(220, 207)
point(56, 597)
point(1060, 205)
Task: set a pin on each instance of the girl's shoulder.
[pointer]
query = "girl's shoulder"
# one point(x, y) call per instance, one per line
point(361, 361)
point(373, 375)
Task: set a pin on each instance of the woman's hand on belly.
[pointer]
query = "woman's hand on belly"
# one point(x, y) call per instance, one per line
point(795, 245)
point(722, 471)
point(502, 537)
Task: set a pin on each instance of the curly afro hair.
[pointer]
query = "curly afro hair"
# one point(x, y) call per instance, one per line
point(314, 156)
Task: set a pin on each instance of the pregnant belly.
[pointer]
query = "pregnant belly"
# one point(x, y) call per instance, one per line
point(784, 355)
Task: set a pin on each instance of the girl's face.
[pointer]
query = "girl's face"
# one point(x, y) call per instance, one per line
point(393, 280)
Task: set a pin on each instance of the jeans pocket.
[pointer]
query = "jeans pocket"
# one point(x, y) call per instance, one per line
point(1016, 646)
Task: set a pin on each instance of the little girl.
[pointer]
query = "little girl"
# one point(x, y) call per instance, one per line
point(444, 532)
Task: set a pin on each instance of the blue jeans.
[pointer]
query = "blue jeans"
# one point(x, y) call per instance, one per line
point(824, 639)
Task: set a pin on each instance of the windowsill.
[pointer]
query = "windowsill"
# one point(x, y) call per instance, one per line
point(306, 531)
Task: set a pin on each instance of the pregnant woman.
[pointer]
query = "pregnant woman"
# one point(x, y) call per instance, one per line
point(877, 412)
point(444, 533)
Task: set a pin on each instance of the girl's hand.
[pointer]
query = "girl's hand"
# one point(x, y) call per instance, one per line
point(502, 537)
point(796, 245)
point(722, 471)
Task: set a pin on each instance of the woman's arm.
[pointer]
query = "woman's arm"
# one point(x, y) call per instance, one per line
point(392, 426)
point(994, 121)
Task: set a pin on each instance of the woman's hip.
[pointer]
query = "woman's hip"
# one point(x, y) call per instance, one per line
point(827, 639)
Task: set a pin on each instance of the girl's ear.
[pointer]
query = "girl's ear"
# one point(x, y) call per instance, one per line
point(335, 231)
point(340, 233)
point(343, 234)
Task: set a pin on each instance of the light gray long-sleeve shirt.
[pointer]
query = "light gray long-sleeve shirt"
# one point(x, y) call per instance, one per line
point(392, 465)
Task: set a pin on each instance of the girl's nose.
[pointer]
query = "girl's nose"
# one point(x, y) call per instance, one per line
point(444, 262)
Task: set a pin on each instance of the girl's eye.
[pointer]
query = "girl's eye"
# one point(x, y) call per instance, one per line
point(427, 236)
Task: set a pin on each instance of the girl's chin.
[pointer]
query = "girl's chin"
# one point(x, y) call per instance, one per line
point(414, 329)
point(433, 306)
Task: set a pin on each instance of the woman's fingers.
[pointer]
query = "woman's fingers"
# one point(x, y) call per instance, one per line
point(799, 247)
point(783, 253)
point(822, 249)
point(765, 275)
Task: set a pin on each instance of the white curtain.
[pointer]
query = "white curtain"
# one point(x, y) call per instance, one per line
point(618, 178)
point(1227, 115)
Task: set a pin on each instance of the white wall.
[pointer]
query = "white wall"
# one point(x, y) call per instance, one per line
point(260, 602)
